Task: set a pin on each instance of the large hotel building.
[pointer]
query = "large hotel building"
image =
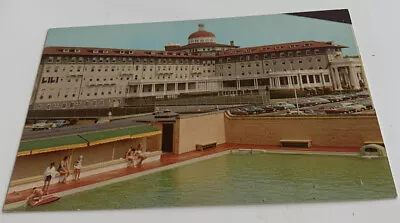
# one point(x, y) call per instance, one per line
point(75, 77)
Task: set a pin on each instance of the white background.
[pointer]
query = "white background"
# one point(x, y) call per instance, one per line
point(23, 26)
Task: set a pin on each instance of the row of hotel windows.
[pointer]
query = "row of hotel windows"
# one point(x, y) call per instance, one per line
point(267, 71)
point(124, 59)
point(73, 95)
point(99, 69)
point(275, 55)
point(305, 79)
point(87, 103)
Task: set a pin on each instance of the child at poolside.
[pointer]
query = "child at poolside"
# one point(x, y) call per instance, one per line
point(77, 167)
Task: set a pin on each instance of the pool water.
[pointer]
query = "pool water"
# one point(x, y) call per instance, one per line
point(242, 178)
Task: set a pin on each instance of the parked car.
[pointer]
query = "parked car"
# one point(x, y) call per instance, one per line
point(354, 107)
point(253, 110)
point(237, 111)
point(283, 105)
point(60, 123)
point(363, 94)
point(367, 103)
point(307, 110)
point(41, 124)
point(302, 102)
point(317, 101)
point(295, 112)
point(332, 98)
point(337, 110)
point(268, 108)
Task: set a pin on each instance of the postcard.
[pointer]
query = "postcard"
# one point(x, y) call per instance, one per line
point(215, 112)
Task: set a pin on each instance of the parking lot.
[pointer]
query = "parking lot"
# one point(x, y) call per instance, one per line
point(359, 103)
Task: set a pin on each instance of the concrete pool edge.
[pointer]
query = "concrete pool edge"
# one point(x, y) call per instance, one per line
point(14, 205)
point(234, 148)
point(295, 152)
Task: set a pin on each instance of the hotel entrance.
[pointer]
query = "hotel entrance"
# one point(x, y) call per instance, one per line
point(167, 138)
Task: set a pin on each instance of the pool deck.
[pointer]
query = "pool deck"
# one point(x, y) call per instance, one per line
point(169, 159)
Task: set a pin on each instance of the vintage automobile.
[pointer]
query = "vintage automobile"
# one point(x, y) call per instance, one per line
point(41, 125)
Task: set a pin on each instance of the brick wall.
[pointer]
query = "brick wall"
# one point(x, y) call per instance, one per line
point(323, 131)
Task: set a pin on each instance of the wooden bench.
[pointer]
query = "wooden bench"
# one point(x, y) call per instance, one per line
point(375, 142)
point(201, 147)
point(295, 143)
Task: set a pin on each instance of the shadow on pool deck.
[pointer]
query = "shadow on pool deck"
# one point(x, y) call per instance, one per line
point(166, 159)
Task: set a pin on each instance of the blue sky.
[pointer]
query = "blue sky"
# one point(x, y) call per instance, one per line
point(245, 31)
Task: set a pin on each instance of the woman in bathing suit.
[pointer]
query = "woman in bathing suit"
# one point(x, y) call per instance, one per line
point(64, 173)
point(130, 157)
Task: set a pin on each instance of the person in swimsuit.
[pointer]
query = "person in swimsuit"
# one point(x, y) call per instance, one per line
point(139, 156)
point(77, 167)
point(49, 173)
point(129, 156)
point(64, 170)
point(36, 196)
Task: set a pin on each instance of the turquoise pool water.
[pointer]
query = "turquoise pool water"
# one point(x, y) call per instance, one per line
point(242, 178)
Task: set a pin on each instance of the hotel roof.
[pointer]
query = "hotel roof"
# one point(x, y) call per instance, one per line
point(86, 51)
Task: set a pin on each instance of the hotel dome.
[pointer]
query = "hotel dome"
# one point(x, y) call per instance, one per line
point(201, 36)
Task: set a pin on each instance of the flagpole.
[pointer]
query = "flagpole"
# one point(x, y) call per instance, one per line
point(295, 91)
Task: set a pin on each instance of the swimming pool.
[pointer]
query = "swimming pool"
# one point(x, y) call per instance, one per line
point(242, 178)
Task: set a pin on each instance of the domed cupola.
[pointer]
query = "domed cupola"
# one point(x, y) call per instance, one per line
point(201, 36)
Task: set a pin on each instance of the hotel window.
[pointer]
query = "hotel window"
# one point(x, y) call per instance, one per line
point(309, 60)
point(64, 105)
point(319, 59)
point(272, 55)
point(249, 65)
point(308, 52)
point(311, 78)
point(304, 79)
point(228, 59)
point(122, 52)
point(300, 61)
point(265, 56)
point(317, 79)
point(283, 62)
point(298, 53)
point(316, 51)
point(256, 57)
point(290, 54)
point(94, 60)
point(282, 54)
point(257, 64)
point(50, 60)
point(58, 59)
point(283, 81)
point(320, 68)
point(242, 65)
point(95, 51)
point(326, 78)
point(311, 68)
point(307, 44)
point(80, 60)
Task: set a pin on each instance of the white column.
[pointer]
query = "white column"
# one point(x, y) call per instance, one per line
point(336, 78)
point(353, 78)
point(290, 81)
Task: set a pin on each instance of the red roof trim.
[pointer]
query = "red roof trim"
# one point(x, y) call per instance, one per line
point(85, 51)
